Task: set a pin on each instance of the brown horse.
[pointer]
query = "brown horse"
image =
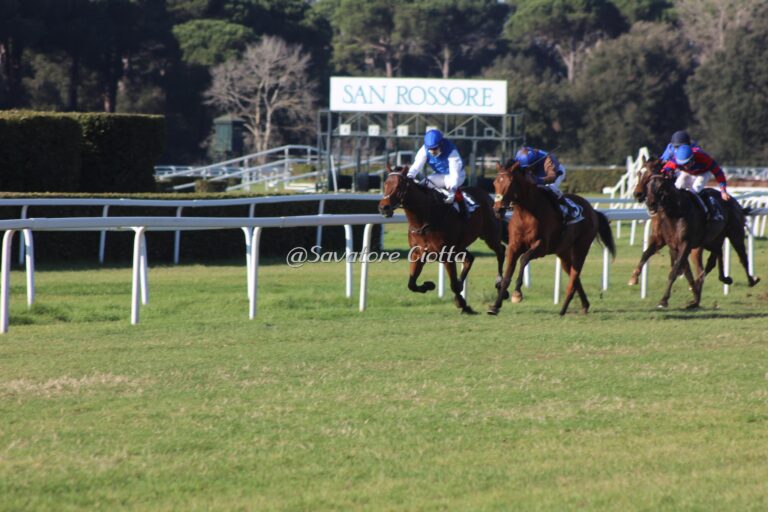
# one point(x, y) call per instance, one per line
point(435, 228)
point(680, 223)
point(536, 229)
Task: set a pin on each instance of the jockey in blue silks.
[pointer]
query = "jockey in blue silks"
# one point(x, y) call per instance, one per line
point(549, 173)
point(445, 160)
point(679, 138)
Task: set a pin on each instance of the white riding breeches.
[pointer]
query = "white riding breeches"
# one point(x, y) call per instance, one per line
point(555, 185)
point(448, 182)
point(687, 181)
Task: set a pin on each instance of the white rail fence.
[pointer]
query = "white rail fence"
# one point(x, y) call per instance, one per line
point(180, 205)
point(251, 228)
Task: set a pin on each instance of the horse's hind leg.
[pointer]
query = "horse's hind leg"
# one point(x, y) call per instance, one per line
point(572, 264)
point(738, 245)
point(417, 264)
point(457, 288)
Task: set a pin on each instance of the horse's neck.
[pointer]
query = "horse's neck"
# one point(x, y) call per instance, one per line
point(530, 199)
point(416, 206)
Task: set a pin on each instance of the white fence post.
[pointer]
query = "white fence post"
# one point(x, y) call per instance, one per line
point(103, 236)
point(136, 277)
point(364, 267)
point(254, 272)
point(6, 280)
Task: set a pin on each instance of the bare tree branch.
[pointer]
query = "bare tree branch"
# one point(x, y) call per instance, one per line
point(270, 79)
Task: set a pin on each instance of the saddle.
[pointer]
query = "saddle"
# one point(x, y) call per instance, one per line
point(709, 205)
point(570, 212)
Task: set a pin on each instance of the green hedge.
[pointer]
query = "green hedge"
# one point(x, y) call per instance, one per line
point(583, 181)
point(196, 246)
point(91, 152)
point(120, 151)
point(39, 151)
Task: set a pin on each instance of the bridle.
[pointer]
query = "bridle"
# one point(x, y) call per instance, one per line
point(395, 198)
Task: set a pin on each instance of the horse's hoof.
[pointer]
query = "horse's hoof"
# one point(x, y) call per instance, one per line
point(692, 305)
point(493, 311)
point(662, 305)
point(632, 281)
point(505, 296)
point(466, 310)
point(517, 297)
point(753, 281)
point(428, 286)
point(584, 311)
point(727, 280)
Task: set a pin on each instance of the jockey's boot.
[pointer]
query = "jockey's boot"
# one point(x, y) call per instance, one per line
point(463, 210)
point(715, 214)
point(565, 210)
point(703, 204)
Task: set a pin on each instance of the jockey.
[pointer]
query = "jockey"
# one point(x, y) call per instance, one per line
point(547, 171)
point(444, 159)
point(679, 138)
point(694, 169)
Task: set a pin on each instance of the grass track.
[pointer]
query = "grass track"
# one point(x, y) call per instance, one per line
point(408, 406)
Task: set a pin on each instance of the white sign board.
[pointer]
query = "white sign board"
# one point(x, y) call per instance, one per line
point(418, 95)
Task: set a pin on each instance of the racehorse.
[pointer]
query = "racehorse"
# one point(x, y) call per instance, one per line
point(680, 223)
point(536, 229)
point(437, 229)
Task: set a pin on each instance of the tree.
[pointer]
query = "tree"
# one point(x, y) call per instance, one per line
point(550, 120)
point(445, 31)
point(209, 42)
point(269, 80)
point(571, 28)
point(645, 10)
point(21, 26)
point(730, 95)
point(632, 93)
point(370, 36)
point(705, 22)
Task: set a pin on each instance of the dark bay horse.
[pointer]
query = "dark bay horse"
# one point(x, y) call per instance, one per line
point(679, 222)
point(435, 228)
point(536, 229)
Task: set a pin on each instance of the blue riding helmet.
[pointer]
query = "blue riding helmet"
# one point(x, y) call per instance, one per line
point(683, 154)
point(432, 139)
point(524, 157)
point(680, 137)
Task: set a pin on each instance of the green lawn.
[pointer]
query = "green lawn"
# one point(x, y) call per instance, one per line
point(314, 406)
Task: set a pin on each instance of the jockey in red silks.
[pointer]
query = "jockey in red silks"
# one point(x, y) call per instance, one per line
point(693, 168)
point(445, 160)
point(679, 138)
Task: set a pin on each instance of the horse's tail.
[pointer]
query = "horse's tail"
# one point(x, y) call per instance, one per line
point(605, 233)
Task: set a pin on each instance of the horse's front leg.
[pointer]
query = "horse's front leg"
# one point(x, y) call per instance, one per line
point(517, 295)
point(416, 266)
point(466, 265)
point(681, 257)
point(457, 288)
point(653, 248)
point(513, 253)
point(697, 284)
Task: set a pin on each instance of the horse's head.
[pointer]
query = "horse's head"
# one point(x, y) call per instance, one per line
point(395, 187)
point(660, 192)
point(650, 168)
point(507, 185)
